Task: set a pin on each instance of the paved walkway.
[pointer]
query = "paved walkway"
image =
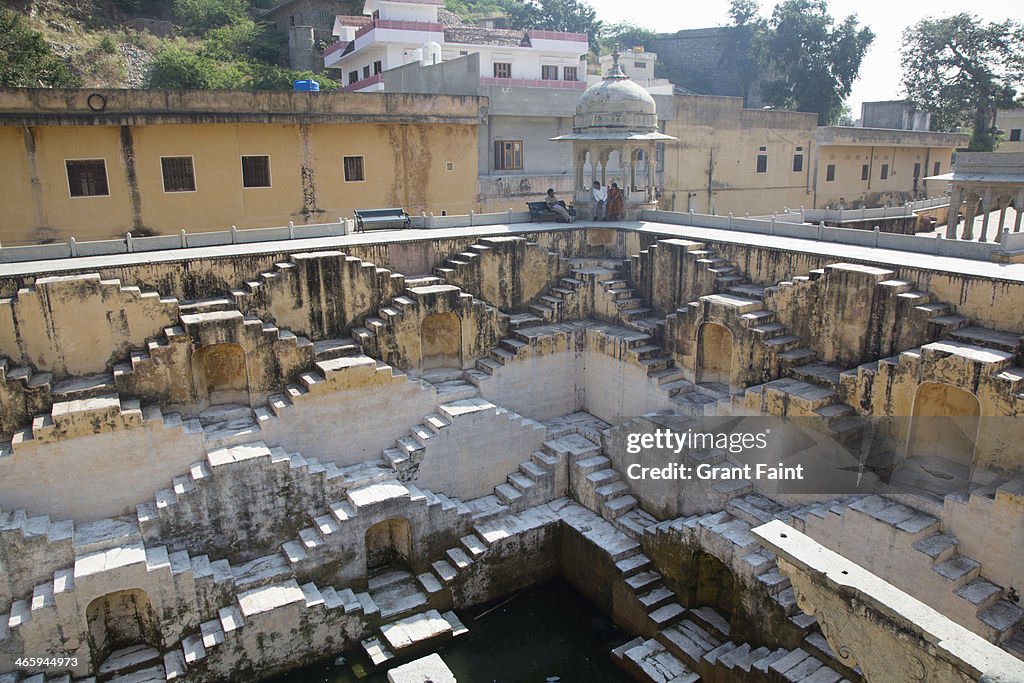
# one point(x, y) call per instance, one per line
point(838, 252)
point(993, 226)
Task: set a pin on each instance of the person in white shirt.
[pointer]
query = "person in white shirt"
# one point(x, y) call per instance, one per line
point(600, 202)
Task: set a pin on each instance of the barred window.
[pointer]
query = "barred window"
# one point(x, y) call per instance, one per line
point(502, 70)
point(378, 66)
point(179, 175)
point(830, 172)
point(885, 171)
point(256, 171)
point(762, 160)
point(353, 169)
point(548, 72)
point(865, 172)
point(570, 73)
point(87, 178)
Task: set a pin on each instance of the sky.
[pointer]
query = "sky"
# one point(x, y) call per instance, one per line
point(880, 71)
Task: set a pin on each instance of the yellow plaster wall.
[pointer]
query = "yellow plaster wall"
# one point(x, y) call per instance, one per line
point(404, 165)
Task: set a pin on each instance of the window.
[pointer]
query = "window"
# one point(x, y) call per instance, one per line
point(87, 178)
point(366, 71)
point(937, 169)
point(830, 172)
point(449, 165)
point(917, 171)
point(256, 171)
point(353, 77)
point(502, 70)
point(179, 176)
point(378, 67)
point(463, 53)
point(640, 65)
point(865, 172)
point(885, 171)
point(570, 73)
point(353, 169)
point(762, 160)
point(508, 155)
point(1015, 135)
point(548, 72)
point(798, 161)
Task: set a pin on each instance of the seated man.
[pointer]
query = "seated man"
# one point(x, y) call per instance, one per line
point(558, 206)
point(600, 201)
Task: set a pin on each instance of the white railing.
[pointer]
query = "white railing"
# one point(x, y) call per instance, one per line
point(864, 214)
point(776, 226)
point(185, 240)
point(779, 227)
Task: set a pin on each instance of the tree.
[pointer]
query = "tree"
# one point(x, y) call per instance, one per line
point(175, 67)
point(554, 15)
point(815, 60)
point(625, 34)
point(739, 55)
point(474, 9)
point(243, 38)
point(961, 70)
point(26, 61)
point(199, 16)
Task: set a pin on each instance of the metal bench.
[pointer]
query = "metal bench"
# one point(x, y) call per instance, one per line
point(373, 219)
point(540, 211)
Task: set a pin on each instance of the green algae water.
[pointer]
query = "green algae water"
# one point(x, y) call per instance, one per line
point(546, 633)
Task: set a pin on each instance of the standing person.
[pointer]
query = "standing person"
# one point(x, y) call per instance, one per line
point(615, 200)
point(600, 202)
point(558, 206)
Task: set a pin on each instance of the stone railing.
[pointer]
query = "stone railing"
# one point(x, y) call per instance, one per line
point(1009, 243)
point(870, 623)
point(864, 214)
point(784, 226)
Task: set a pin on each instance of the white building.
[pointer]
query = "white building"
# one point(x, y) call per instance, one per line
point(638, 65)
point(400, 32)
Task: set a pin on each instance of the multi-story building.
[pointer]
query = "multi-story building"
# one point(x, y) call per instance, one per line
point(1011, 122)
point(396, 33)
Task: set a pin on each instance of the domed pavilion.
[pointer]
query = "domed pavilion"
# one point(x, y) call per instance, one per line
point(615, 118)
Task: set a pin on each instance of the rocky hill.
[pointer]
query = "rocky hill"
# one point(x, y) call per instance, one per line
point(111, 43)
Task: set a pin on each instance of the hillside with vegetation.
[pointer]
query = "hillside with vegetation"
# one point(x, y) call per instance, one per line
point(145, 43)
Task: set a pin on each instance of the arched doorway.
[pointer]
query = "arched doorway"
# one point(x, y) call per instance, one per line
point(220, 373)
point(944, 424)
point(714, 354)
point(441, 341)
point(121, 620)
point(389, 544)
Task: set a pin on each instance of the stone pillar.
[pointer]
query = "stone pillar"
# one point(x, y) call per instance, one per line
point(955, 199)
point(986, 208)
point(604, 166)
point(1018, 206)
point(970, 209)
point(1003, 204)
point(581, 160)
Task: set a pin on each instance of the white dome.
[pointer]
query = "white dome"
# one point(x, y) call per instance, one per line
point(615, 103)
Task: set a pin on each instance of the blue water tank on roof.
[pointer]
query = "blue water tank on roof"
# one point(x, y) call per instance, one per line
point(307, 86)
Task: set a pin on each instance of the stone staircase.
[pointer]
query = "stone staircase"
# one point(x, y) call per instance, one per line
point(627, 344)
point(922, 560)
point(32, 547)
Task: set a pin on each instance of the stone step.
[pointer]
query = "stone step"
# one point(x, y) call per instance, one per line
point(652, 662)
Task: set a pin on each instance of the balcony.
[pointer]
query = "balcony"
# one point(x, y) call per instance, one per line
point(398, 25)
point(365, 83)
point(532, 83)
